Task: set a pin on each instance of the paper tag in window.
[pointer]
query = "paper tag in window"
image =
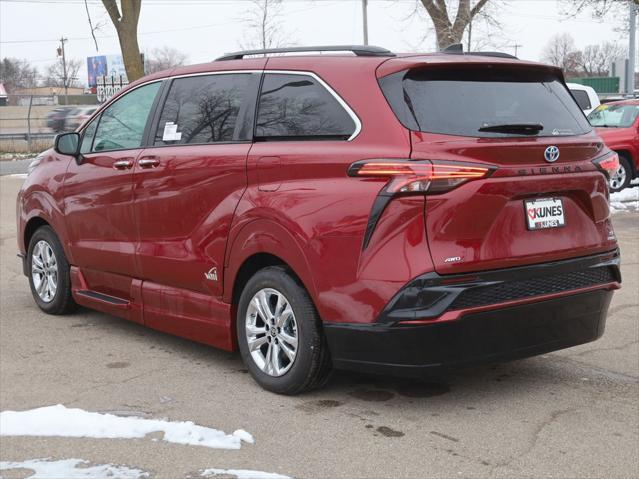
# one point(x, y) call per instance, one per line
point(170, 132)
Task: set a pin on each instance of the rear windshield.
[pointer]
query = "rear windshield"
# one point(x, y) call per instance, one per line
point(479, 101)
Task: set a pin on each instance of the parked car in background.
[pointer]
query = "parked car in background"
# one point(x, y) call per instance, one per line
point(585, 96)
point(357, 210)
point(617, 124)
point(77, 117)
point(55, 119)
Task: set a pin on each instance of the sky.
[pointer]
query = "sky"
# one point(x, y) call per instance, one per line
point(205, 29)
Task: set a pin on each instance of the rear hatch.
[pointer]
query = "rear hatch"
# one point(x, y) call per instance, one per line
point(544, 199)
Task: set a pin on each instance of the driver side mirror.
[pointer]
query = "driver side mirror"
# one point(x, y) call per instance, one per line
point(68, 144)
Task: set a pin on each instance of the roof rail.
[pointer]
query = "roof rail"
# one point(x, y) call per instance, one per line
point(358, 50)
point(458, 49)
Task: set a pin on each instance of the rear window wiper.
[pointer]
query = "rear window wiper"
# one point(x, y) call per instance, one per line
point(521, 128)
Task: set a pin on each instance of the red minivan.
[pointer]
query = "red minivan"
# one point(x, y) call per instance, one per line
point(354, 210)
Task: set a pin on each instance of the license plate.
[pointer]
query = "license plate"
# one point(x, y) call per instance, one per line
point(544, 213)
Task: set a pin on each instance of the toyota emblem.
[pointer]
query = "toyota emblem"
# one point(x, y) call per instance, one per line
point(551, 154)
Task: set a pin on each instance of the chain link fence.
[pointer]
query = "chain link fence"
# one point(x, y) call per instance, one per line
point(29, 123)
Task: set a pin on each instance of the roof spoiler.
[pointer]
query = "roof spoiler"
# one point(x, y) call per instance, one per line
point(458, 49)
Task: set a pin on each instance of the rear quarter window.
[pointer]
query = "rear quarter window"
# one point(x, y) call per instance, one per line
point(299, 107)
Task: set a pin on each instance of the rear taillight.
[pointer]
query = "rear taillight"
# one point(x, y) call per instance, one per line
point(419, 176)
point(608, 164)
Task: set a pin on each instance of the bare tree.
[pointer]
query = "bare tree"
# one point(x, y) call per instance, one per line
point(54, 74)
point(16, 73)
point(485, 31)
point(264, 19)
point(595, 60)
point(449, 29)
point(561, 52)
point(599, 8)
point(125, 20)
point(164, 58)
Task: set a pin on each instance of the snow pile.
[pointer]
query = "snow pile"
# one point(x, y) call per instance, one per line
point(61, 421)
point(67, 469)
point(625, 200)
point(242, 474)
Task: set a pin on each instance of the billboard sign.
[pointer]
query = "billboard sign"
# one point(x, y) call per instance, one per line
point(104, 65)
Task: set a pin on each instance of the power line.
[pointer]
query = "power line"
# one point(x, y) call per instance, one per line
point(154, 32)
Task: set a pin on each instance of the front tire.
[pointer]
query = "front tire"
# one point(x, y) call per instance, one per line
point(279, 334)
point(620, 179)
point(49, 273)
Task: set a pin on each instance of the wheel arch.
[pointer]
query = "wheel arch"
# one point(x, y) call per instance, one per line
point(259, 244)
point(628, 156)
point(31, 227)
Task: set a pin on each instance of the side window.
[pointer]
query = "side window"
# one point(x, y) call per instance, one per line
point(202, 109)
point(122, 123)
point(88, 135)
point(298, 106)
point(581, 97)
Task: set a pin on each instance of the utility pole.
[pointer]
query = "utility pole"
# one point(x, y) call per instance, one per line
point(65, 79)
point(517, 46)
point(470, 33)
point(632, 49)
point(365, 20)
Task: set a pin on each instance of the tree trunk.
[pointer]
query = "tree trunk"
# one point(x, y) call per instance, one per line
point(131, 53)
point(126, 24)
point(449, 32)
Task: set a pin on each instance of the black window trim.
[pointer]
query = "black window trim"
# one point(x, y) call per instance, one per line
point(251, 104)
point(345, 106)
point(150, 117)
point(246, 109)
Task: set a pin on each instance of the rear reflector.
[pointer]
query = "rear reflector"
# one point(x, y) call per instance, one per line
point(410, 176)
point(608, 164)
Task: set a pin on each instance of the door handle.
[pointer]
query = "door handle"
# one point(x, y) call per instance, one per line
point(122, 164)
point(150, 162)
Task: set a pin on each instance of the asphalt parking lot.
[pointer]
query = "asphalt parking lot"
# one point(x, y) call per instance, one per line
point(573, 413)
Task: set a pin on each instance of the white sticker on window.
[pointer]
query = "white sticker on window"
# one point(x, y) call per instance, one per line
point(170, 132)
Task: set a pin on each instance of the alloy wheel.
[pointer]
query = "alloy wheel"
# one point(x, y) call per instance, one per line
point(271, 332)
point(618, 178)
point(44, 271)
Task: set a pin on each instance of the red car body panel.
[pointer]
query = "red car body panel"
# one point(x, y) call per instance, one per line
point(149, 236)
point(623, 140)
point(482, 237)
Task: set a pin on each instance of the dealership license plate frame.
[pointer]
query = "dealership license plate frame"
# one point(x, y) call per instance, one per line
point(534, 201)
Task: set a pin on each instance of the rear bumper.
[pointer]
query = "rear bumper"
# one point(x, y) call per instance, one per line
point(507, 333)
point(433, 297)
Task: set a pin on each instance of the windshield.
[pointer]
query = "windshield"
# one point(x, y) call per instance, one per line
point(614, 116)
point(485, 101)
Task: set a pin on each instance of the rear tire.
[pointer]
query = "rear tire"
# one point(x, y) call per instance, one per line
point(295, 332)
point(49, 273)
point(621, 178)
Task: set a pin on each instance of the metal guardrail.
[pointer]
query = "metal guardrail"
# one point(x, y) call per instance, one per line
point(26, 136)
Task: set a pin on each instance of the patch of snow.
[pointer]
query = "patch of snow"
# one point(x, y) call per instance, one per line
point(244, 436)
point(16, 156)
point(67, 469)
point(242, 474)
point(65, 422)
point(625, 200)
point(625, 195)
